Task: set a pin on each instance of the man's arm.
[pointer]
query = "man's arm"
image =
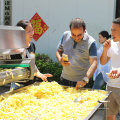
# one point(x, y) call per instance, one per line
point(93, 67)
point(104, 58)
point(59, 56)
point(90, 72)
point(60, 59)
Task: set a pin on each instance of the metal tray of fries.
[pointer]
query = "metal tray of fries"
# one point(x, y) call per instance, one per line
point(98, 106)
point(89, 116)
point(93, 112)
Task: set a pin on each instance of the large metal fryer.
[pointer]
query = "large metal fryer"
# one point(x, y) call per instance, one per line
point(89, 116)
point(13, 42)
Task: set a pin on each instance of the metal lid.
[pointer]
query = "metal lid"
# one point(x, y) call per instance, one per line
point(12, 37)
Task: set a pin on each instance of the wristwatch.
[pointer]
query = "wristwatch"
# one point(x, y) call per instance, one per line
point(86, 79)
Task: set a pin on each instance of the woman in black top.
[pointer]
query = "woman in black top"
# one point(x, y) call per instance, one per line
point(30, 52)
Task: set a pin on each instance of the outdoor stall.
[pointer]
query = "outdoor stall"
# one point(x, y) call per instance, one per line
point(41, 100)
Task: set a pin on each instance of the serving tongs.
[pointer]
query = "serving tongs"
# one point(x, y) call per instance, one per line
point(99, 101)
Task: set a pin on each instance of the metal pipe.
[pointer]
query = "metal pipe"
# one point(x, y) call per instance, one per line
point(13, 75)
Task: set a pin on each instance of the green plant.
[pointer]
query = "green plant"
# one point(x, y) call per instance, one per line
point(103, 87)
point(46, 65)
point(91, 82)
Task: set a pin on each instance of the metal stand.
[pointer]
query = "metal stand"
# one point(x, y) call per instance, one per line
point(105, 111)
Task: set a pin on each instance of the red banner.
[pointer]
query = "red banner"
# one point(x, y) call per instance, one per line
point(39, 26)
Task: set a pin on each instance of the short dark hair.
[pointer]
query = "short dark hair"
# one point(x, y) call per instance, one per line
point(77, 23)
point(23, 23)
point(117, 21)
point(105, 34)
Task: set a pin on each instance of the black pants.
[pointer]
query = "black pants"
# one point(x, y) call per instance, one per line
point(67, 82)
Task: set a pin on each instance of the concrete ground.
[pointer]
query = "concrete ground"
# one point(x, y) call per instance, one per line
point(99, 114)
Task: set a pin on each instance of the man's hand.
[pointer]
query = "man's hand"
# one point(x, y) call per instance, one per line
point(60, 58)
point(79, 84)
point(106, 45)
point(64, 63)
point(114, 73)
point(104, 58)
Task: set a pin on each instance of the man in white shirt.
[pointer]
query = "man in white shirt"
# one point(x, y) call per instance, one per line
point(111, 49)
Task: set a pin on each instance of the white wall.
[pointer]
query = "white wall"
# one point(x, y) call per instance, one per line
point(57, 14)
point(1, 12)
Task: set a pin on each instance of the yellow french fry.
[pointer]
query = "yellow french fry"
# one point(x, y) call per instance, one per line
point(11, 90)
point(17, 84)
point(4, 81)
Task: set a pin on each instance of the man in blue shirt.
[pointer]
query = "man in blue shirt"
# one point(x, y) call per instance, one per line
point(81, 50)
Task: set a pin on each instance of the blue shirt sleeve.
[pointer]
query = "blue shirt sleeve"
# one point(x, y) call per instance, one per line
point(60, 46)
point(93, 50)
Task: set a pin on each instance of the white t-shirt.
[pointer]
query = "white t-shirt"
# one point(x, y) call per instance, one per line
point(114, 53)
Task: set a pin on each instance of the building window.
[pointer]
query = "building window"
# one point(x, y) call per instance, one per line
point(117, 8)
point(7, 12)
